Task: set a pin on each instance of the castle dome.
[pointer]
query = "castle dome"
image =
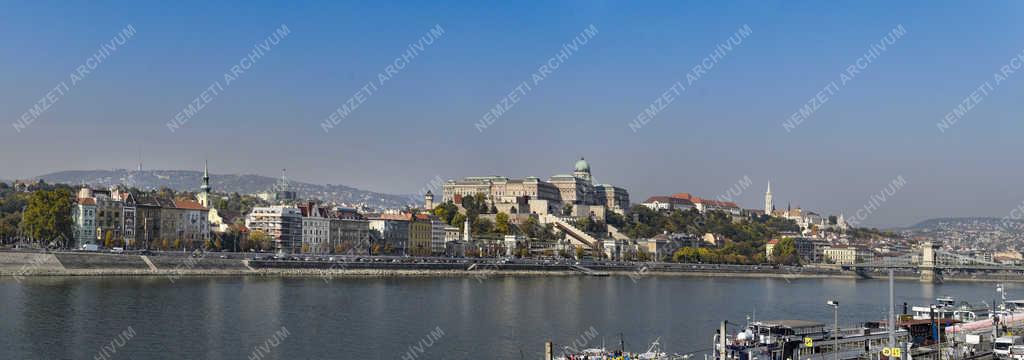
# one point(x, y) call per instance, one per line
point(582, 166)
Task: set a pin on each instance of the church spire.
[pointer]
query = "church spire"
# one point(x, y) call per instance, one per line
point(206, 176)
point(769, 207)
point(204, 191)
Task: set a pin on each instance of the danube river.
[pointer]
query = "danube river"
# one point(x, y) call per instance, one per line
point(413, 318)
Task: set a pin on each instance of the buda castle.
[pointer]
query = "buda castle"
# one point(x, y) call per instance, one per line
point(531, 195)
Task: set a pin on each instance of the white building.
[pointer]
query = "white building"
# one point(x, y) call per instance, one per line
point(668, 203)
point(705, 205)
point(846, 255)
point(283, 223)
point(83, 215)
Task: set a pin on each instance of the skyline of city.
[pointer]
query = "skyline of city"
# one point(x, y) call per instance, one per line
point(557, 180)
point(704, 96)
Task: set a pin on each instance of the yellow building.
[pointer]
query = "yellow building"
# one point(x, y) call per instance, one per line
point(420, 234)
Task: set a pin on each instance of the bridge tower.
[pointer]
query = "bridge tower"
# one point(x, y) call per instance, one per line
point(929, 273)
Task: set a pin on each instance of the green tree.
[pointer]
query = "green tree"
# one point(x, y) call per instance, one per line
point(458, 221)
point(615, 219)
point(483, 226)
point(501, 224)
point(260, 240)
point(531, 228)
point(785, 252)
point(446, 212)
point(47, 216)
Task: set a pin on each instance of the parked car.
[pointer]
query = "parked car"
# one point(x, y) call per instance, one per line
point(117, 250)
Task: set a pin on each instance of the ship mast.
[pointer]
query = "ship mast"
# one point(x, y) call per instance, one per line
point(892, 311)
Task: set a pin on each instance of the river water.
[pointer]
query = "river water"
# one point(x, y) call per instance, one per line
point(413, 318)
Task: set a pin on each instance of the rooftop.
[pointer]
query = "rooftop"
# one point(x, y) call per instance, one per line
point(790, 323)
point(188, 204)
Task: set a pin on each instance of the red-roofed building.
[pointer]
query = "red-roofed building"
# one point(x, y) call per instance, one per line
point(685, 196)
point(188, 221)
point(188, 205)
point(688, 201)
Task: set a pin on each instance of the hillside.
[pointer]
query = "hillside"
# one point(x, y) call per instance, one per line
point(186, 180)
point(966, 223)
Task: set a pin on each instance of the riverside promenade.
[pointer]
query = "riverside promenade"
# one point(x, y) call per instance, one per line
point(21, 264)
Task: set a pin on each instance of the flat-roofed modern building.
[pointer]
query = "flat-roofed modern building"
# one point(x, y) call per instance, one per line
point(283, 223)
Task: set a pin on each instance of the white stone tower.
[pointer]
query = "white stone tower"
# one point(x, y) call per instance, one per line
point(768, 206)
point(428, 200)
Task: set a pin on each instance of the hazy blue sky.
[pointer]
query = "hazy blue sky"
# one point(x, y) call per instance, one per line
point(420, 123)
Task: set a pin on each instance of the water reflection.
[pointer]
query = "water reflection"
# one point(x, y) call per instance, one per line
point(497, 317)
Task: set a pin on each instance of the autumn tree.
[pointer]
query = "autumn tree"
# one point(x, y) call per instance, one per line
point(785, 252)
point(47, 215)
point(260, 239)
point(446, 212)
point(501, 224)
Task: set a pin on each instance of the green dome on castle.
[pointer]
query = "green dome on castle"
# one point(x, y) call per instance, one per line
point(582, 166)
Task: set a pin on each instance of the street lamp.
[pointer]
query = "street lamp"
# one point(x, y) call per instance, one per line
point(835, 328)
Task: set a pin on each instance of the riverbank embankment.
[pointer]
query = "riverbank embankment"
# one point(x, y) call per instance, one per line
point(29, 264)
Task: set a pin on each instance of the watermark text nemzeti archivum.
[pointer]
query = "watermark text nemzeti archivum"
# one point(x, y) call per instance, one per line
point(390, 71)
point(233, 73)
point(506, 103)
point(851, 72)
point(677, 88)
point(81, 72)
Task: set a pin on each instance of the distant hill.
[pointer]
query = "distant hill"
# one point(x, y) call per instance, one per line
point(187, 180)
point(980, 222)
